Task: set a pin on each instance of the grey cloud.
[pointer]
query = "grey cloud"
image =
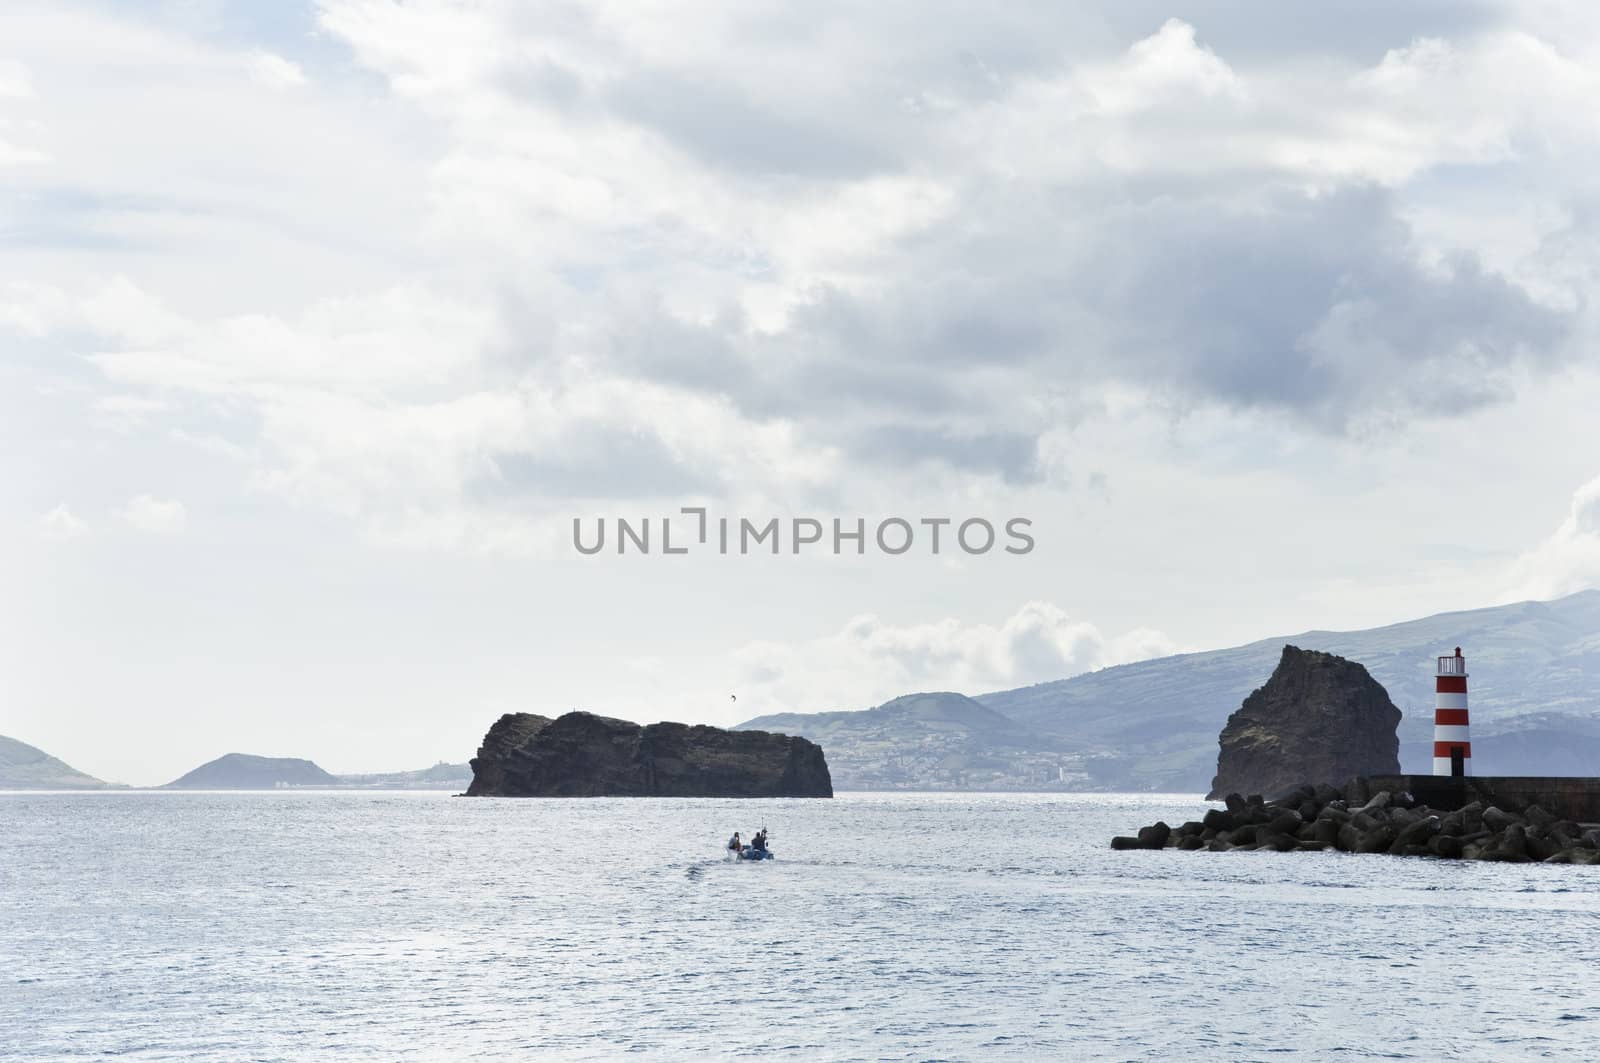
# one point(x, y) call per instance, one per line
point(1011, 455)
point(844, 356)
point(599, 461)
point(1311, 304)
point(543, 81)
point(1291, 302)
point(722, 126)
point(856, 116)
point(1355, 30)
point(1316, 307)
point(1200, 285)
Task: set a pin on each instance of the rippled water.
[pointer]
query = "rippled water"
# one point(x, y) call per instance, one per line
point(301, 925)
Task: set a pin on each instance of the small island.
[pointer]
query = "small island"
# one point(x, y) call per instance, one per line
point(246, 771)
point(584, 755)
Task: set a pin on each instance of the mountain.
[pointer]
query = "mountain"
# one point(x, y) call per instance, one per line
point(243, 771)
point(1534, 693)
point(1153, 725)
point(22, 767)
point(933, 741)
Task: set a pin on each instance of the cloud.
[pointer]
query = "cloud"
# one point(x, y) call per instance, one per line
point(16, 155)
point(574, 256)
point(61, 524)
point(1211, 234)
point(276, 72)
point(33, 310)
point(1169, 67)
point(15, 81)
point(1569, 560)
point(1320, 307)
point(16, 84)
point(399, 408)
point(155, 516)
point(719, 126)
point(869, 660)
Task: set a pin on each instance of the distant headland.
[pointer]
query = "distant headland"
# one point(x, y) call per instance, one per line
point(25, 767)
point(246, 771)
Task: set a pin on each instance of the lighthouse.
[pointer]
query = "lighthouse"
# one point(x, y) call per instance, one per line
point(1452, 745)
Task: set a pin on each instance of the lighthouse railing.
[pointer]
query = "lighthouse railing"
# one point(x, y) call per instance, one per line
point(1452, 666)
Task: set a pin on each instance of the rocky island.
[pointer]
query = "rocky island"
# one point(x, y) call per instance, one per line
point(584, 755)
point(1319, 719)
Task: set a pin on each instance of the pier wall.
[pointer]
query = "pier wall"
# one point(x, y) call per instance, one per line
point(1576, 797)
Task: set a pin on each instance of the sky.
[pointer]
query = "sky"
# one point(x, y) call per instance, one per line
point(321, 322)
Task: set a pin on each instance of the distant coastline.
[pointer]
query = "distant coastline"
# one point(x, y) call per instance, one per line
point(1144, 727)
point(26, 768)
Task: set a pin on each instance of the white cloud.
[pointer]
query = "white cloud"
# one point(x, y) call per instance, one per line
point(401, 410)
point(15, 81)
point(130, 408)
point(16, 84)
point(16, 155)
point(32, 309)
point(1569, 560)
point(155, 516)
point(1169, 67)
point(276, 72)
point(60, 523)
point(120, 310)
point(869, 660)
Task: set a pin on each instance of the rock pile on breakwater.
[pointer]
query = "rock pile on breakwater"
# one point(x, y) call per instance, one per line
point(1356, 820)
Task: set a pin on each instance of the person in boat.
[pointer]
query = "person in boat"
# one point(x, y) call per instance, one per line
point(759, 842)
point(734, 844)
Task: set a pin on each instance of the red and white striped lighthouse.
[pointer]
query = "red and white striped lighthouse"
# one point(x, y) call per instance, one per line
point(1450, 736)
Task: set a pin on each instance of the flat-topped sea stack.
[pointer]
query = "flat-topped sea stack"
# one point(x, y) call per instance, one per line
point(1319, 719)
point(584, 755)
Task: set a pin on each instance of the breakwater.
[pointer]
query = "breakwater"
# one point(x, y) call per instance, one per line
point(1574, 797)
point(1474, 819)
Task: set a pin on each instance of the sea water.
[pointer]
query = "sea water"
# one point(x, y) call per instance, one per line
point(293, 926)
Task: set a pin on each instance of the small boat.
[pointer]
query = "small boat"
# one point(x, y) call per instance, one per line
point(755, 854)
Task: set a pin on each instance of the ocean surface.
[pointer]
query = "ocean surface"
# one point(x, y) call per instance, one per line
point(294, 926)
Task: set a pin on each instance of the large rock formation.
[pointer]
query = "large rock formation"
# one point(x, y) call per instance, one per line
point(583, 755)
point(1319, 719)
point(503, 756)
